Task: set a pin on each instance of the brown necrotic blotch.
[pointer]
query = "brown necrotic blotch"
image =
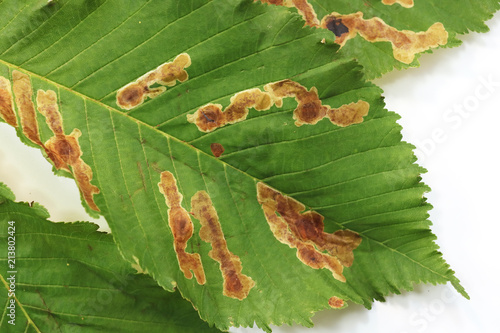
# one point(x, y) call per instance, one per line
point(182, 228)
point(7, 102)
point(309, 110)
point(304, 230)
point(405, 43)
point(134, 93)
point(236, 284)
point(210, 116)
point(64, 150)
point(26, 109)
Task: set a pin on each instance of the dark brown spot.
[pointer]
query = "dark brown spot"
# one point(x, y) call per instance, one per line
point(335, 25)
point(216, 149)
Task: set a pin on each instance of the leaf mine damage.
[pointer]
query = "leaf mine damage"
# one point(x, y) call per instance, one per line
point(134, 93)
point(25, 107)
point(7, 102)
point(309, 109)
point(182, 228)
point(236, 284)
point(64, 150)
point(405, 43)
point(304, 230)
point(211, 116)
point(403, 3)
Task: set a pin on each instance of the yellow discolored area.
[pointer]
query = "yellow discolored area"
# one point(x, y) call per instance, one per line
point(64, 150)
point(7, 102)
point(309, 110)
point(405, 43)
point(134, 93)
point(182, 228)
point(304, 230)
point(403, 3)
point(236, 284)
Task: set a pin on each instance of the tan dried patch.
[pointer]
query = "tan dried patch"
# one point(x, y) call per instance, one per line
point(26, 109)
point(236, 284)
point(404, 3)
point(309, 109)
point(7, 102)
point(349, 114)
point(336, 302)
point(134, 94)
point(405, 43)
point(303, 7)
point(217, 149)
point(211, 116)
point(304, 230)
point(64, 150)
point(182, 228)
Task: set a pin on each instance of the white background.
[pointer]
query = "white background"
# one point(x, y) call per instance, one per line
point(460, 150)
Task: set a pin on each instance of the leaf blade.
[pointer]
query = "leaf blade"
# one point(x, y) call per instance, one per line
point(128, 153)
